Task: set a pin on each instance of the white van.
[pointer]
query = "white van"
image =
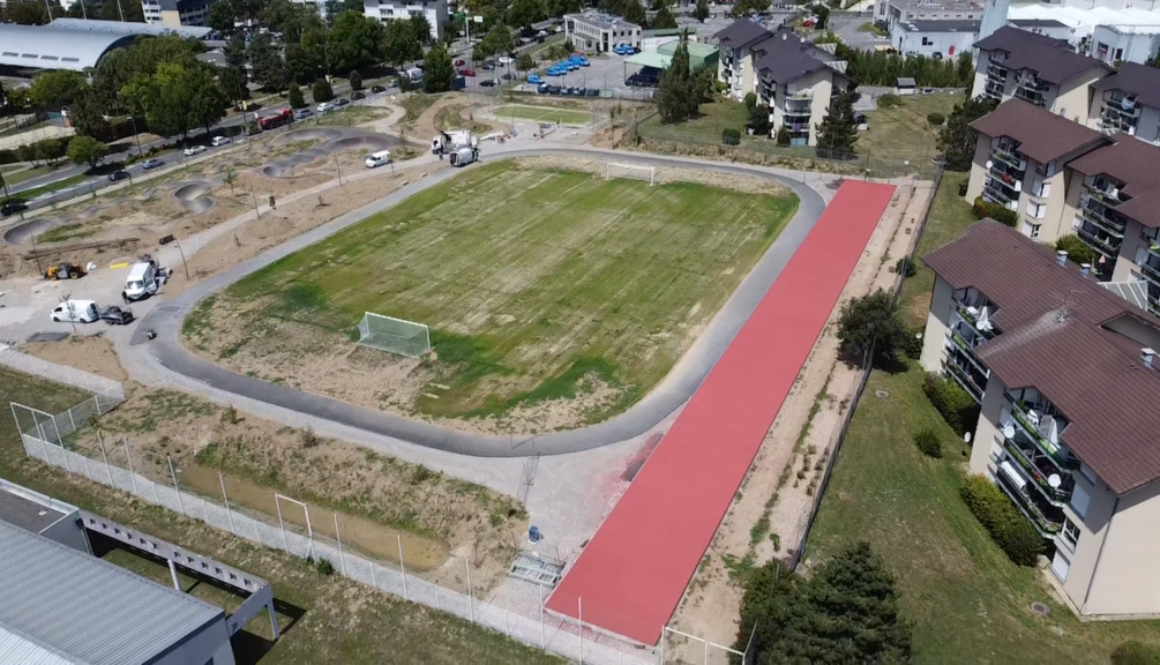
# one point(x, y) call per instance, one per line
point(380, 158)
point(76, 311)
point(143, 281)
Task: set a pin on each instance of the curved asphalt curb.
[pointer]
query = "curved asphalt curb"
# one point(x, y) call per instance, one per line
point(661, 401)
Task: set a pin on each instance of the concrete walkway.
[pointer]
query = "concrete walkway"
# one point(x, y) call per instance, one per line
point(167, 352)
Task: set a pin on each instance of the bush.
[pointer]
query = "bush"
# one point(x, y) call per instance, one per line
point(324, 567)
point(927, 442)
point(355, 80)
point(750, 100)
point(997, 212)
point(906, 267)
point(956, 406)
point(322, 91)
point(294, 96)
point(912, 344)
point(783, 136)
point(731, 136)
point(1005, 524)
point(889, 101)
point(936, 119)
point(404, 84)
point(1136, 653)
point(1077, 251)
point(8, 157)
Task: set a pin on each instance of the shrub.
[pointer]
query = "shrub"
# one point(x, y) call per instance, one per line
point(1077, 251)
point(322, 91)
point(906, 267)
point(294, 96)
point(324, 567)
point(751, 100)
point(8, 157)
point(927, 442)
point(936, 119)
point(889, 101)
point(912, 344)
point(997, 212)
point(956, 406)
point(355, 80)
point(307, 437)
point(783, 136)
point(1136, 653)
point(1006, 526)
point(731, 136)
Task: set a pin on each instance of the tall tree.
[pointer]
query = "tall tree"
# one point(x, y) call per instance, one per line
point(400, 45)
point(356, 41)
point(498, 40)
point(614, 7)
point(634, 12)
point(269, 70)
point(838, 131)
point(177, 98)
point(525, 62)
point(422, 28)
point(321, 91)
point(957, 139)
point(823, 14)
point(523, 13)
point(438, 72)
point(207, 102)
point(87, 118)
point(85, 150)
point(871, 323)
point(29, 12)
point(663, 20)
point(701, 10)
point(222, 17)
point(294, 96)
point(355, 79)
point(557, 8)
point(678, 95)
point(121, 10)
point(57, 88)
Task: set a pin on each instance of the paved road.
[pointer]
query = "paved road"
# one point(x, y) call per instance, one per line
point(846, 25)
point(674, 391)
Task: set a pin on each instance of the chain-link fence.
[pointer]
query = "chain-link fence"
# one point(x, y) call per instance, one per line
point(69, 376)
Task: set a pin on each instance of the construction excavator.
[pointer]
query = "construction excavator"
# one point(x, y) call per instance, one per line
point(64, 270)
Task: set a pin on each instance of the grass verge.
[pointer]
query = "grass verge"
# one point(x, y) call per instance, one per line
point(968, 602)
point(543, 114)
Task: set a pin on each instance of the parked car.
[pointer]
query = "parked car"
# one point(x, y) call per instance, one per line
point(467, 72)
point(535, 79)
point(488, 83)
point(508, 76)
point(357, 95)
point(76, 311)
point(149, 164)
point(302, 114)
point(376, 89)
point(460, 62)
point(119, 174)
point(505, 60)
point(219, 141)
point(325, 107)
point(194, 150)
point(341, 101)
point(487, 66)
point(12, 207)
point(117, 316)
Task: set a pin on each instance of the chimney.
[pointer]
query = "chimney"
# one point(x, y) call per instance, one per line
point(1061, 257)
point(1085, 269)
point(1146, 356)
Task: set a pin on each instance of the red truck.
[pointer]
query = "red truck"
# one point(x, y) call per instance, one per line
point(276, 119)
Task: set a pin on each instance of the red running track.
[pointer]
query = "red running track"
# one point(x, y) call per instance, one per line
point(632, 574)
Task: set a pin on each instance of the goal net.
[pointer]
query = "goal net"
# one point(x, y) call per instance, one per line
point(616, 170)
point(387, 333)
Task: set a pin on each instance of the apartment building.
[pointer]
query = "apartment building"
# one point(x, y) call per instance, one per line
point(735, 64)
point(1020, 159)
point(393, 10)
point(797, 81)
point(598, 32)
point(1116, 193)
point(1016, 64)
point(889, 13)
point(176, 13)
point(1129, 102)
point(1067, 380)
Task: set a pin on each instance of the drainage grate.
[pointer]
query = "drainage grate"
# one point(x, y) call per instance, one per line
point(1040, 609)
point(531, 567)
point(48, 337)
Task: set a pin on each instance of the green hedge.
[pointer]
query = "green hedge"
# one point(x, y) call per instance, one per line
point(927, 442)
point(1136, 653)
point(731, 136)
point(956, 405)
point(995, 211)
point(1008, 528)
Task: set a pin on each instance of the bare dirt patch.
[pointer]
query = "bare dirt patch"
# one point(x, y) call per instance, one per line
point(93, 354)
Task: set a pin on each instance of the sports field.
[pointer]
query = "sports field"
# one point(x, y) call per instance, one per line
point(536, 283)
point(543, 114)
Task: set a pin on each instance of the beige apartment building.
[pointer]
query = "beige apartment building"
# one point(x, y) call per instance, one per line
point(1046, 72)
point(736, 58)
point(1019, 163)
point(1068, 384)
point(1128, 102)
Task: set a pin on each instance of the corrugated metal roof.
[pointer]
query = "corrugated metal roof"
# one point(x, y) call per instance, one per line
point(93, 611)
point(129, 28)
point(16, 647)
point(45, 47)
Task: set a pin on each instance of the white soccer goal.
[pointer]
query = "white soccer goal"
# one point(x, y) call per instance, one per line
point(387, 333)
point(617, 170)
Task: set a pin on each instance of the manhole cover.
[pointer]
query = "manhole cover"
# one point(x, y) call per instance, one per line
point(47, 336)
point(882, 393)
point(1040, 609)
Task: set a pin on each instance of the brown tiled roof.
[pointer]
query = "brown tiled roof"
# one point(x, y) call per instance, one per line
point(742, 33)
point(1055, 337)
point(1042, 135)
point(1134, 79)
point(1053, 60)
point(1135, 163)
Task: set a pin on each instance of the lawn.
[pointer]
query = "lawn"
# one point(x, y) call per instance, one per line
point(19, 176)
point(532, 281)
point(543, 114)
point(340, 621)
point(967, 601)
point(30, 194)
point(902, 133)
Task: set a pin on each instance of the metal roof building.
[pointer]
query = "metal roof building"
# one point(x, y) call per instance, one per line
point(59, 605)
point(127, 28)
point(46, 47)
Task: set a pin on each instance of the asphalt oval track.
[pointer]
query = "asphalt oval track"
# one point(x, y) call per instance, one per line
point(666, 397)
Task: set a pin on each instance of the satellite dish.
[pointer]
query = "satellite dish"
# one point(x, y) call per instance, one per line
point(1009, 431)
point(1054, 480)
point(990, 163)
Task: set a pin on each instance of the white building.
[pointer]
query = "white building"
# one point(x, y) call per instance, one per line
point(392, 10)
point(891, 12)
point(176, 13)
point(594, 31)
point(934, 39)
point(1110, 31)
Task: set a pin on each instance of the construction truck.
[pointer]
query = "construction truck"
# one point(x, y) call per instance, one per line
point(64, 270)
point(451, 141)
point(464, 156)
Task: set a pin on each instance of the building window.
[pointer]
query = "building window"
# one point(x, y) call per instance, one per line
point(1080, 501)
point(1046, 170)
point(926, 41)
point(1032, 230)
point(1060, 566)
point(1069, 534)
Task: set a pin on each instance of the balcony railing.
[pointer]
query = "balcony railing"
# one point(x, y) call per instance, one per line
point(968, 348)
point(1105, 246)
point(1122, 105)
point(964, 378)
point(1000, 195)
point(1047, 519)
point(1151, 265)
point(1055, 452)
point(1010, 158)
point(997, 70)
point(1109, 194)
point(1056, 485)
point(1112, 226)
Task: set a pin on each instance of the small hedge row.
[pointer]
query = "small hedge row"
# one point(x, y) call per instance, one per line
point(1008, 528)
point(731, 136)
point(956, 405)
point(1136, 653)
point(997, 212)
point(928, 443)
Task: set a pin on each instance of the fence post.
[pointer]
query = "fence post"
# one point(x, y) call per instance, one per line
point(470, 602)
point(176, 487)
point(374, 583)
point(129, 461)
point(71, 421)
point(281, 522)
point(226, 499)
point(506, 626)
point(108, 470)
point(338, 536)
point(402, 567)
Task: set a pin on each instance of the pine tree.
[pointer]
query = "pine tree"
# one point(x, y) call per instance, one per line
point(701, 11)
point(678, 95)
point(838, 131)
point(957, 139)
point(295, 97)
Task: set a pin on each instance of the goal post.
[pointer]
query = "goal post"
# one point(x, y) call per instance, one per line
point(631, 171)
point(386, 333)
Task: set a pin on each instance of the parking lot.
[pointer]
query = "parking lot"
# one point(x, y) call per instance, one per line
point(603, 73)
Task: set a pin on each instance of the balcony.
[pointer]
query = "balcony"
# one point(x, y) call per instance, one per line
point(960, 368)
point(1103, 191)
point(1103, 217)
point(996, 192)
point(1151, 265)
point(1099, 240)
point(1047, 518)
point(1054, 484)
point(1007, 155)
point(1125, 105)
point(994, 89)
point(1041, 427)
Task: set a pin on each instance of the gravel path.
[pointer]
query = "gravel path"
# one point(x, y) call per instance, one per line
point(667, 397)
